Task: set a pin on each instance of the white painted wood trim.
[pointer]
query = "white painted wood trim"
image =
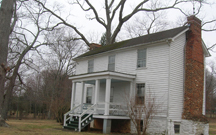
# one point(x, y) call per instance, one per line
point(107, 96)
point(131, 90)
point(82, 95)
point(204, 89)
point(103, 74)
point(73, 93)
point(97, 87)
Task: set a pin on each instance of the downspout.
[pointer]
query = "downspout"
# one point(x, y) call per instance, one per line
point(168, 94)
point(204, 89)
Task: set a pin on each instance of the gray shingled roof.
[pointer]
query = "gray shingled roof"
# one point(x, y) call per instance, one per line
point(136, 41)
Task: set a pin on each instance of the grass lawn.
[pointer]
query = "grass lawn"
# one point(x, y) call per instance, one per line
point(212, 127)
point(51, 127)
point(38, 127)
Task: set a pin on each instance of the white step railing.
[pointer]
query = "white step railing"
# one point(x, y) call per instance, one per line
point(68, 114)
point(89, 111)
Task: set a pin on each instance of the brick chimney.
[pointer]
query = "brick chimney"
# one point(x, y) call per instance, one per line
point(194, 71)
point(93, 46)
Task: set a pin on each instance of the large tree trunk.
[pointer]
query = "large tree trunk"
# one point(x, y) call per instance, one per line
point(6, 13)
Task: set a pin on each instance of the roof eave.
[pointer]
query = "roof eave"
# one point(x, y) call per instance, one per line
point(180, 34)
point(145, 44)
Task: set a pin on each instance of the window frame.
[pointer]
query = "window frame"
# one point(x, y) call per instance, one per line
point(142, 97)
point(177, 129)
point(141, 59)
point(87, 96)
point(111, 64)
point(90, 66)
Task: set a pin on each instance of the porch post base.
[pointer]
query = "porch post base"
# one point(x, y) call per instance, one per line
point(106, 126)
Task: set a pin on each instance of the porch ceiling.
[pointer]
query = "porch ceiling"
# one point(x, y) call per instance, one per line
point(115, 76)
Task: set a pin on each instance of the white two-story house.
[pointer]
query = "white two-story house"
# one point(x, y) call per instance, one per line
point(170, 64)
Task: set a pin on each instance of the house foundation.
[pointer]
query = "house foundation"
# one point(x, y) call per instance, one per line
point(189, 127)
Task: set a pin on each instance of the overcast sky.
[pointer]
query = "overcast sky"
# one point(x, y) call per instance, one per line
point(94, 31)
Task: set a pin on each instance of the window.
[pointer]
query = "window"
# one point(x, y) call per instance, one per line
point(111, 64)
point(90, 66)
point(141, 58)
point(140, 96)
point(177, 128)
point(89, 95)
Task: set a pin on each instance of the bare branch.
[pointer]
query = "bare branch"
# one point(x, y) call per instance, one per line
point(114, 11)
point(81, 6)
point(64, 22)
point(96, 14)
point(212, 47)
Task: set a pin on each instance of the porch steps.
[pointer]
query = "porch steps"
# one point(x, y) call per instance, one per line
point(73, 123)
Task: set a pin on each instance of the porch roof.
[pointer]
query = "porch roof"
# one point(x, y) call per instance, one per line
point(103, 75)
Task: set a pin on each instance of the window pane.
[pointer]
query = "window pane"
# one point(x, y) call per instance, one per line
point(141, 58)
point(140, 96)
point(111, 64)
point(90, 66)
point(177, 128)
point(111, 59)
point(89, 91)
point(89, 95)
point(111, 67)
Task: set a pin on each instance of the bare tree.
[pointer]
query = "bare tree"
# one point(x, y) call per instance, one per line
point(58, 65)
point(6, 13)
point(142, 111)
point(146, 23)
point(114, 13)
point(211, 90)
point(23, 40)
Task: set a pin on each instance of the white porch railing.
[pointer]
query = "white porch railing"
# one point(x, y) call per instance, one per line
point(116, 109)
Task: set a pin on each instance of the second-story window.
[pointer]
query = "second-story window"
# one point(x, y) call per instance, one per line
point(141, 58)
point(111, 64)
point(90, 66)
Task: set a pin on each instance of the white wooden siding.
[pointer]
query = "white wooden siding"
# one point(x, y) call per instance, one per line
point(156, 75)
point(81, 67)
point(177, 78)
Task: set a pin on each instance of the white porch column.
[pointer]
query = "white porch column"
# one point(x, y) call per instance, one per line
point(97, 87)
point(82, 95)
point(73, 93)
point(131, 90)
point(107, 96)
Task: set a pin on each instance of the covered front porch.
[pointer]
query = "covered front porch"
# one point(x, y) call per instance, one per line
point(106, 90)
point(100, 95)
